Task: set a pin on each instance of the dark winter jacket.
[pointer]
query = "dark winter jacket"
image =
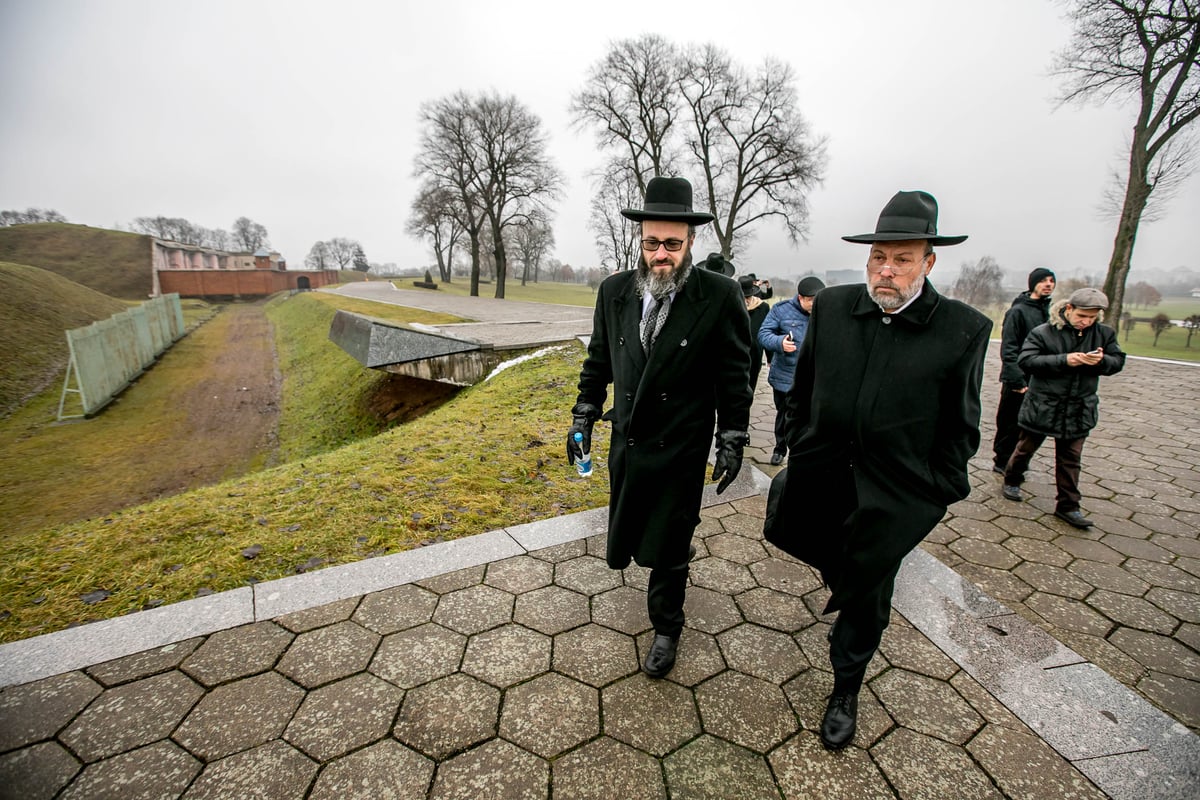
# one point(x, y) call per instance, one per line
point(663, 407)
point(1062, 401)
point(785, 317)
point(757, 315)
point(883, 417)
point(1023, 315)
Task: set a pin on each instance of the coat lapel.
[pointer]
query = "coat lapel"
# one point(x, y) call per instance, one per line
point(629, 312)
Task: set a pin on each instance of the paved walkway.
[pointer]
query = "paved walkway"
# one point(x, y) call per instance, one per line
point(506, 665)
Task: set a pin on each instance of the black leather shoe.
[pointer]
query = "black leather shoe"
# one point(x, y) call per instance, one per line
point(776, 459)
point(1011, 492)
point(661, 657)
point(1075, 518)
point(841, 719)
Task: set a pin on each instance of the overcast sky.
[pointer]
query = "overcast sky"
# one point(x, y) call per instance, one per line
point(304, 117)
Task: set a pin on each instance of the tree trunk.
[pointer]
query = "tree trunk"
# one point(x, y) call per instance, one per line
point(1137, 193)
point(501, 262)
point(475, 264)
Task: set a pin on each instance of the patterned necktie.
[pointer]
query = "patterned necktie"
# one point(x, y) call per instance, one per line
point(652, 324)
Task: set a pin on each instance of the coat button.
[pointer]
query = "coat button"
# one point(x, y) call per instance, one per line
point(629, 395)
point(663, 396)
point(887, 320)
point(629, 442)
point(683, 343)
point(621, 341)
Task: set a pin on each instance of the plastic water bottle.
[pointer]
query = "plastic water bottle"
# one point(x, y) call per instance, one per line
point(583, 465)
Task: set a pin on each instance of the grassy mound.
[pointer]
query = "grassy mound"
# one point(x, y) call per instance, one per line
point(111, 262)
point(36, 309)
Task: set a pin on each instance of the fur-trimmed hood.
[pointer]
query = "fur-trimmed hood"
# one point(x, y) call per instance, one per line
point(1056, 315)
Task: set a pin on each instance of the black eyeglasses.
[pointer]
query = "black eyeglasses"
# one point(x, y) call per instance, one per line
point(672, 245)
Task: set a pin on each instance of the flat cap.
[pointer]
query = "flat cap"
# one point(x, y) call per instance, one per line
point(1088, 298)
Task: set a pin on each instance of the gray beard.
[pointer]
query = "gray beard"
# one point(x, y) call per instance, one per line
point(662, 285)
point(890, 302)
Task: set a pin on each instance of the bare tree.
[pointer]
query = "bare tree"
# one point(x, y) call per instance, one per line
point(434, 215)
point(1192, 324)
point(533, 238)
point(360, 259)
point(631, 100)
point(319, 257)
point(248, 235)
point(1143, 294)
point(1159, 324)
point(1145, 50)
point(980, 284)
point(615, 236)
point(29, 216)
point(1127, 322)
point(341, 251)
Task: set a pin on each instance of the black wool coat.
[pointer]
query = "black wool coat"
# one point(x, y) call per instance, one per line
point(664, 407)
point(883, 417)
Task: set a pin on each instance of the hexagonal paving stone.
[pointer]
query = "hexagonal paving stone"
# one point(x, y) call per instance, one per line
point(588, 575)
point(636, 577)
point(144, 664)
point(762, 652)
point(1109, 576)
point(35, 711)
point(651, 715)
point(1025, 766)
point(985, 554)
point(697, 659)
point(474, 609)
point(623, 609)
point(1072, 615)
point(788, 576)
point(772, 609)
point(494, 769)
point(1132, 612)
point(1037, 552)
point(805, 769)
point(453, 581)
point(396, 609)
point(308, 619)
point(926, 705)
point(745, 710)
point(1165, 575)
point(519, 574)
point(507, 655)
point(337, 718)
point(594, 655)
point(551, 610)
point(711, 768)
point(1180, 695)
point(737, 549)
point(132, 715)
point(809, 694)
point(1157, 653)
point(721, 575)
point(1182, 605)
point(560, 552)
point(276, 769)
point(158, 770)
point(239, 715)
point(418, 655)
point(709, 611)
point(604, 769)
point(908, 649)
point(924, 768)
point(448, 715)
point(327, 654)
point(386, 770)
point(237, 652)
point(36, 772)
point(550, 714)
point(1053, 580)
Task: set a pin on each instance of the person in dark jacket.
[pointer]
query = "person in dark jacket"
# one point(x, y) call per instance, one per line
point(781, 335)
point(674, 342)
point(758, 310)
point(883, 416)
point(1064, 359)
point(1028, 310)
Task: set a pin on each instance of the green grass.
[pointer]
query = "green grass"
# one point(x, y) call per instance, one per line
point(111, 262)
point(567, 294)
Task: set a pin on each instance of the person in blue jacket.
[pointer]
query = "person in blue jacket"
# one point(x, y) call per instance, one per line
point(780, 335)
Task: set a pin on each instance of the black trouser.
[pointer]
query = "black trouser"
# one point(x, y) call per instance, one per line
point(1007, 431)
point(1068, 461)
point(664, 599)
point(857, 632)
point(780, 399)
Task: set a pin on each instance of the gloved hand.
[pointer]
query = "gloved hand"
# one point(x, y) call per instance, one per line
point(583, 416)
point(729, 457)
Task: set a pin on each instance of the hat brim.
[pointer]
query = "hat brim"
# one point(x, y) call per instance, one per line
point(690, 217)
point(937, 241)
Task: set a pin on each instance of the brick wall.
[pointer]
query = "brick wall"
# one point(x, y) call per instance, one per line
point(240, 282)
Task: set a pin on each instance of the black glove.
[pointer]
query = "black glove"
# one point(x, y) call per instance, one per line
point(729, 457)
point(583, 416)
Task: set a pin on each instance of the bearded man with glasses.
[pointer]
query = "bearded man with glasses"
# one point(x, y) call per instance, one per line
point(674, 342)
point(883, 416)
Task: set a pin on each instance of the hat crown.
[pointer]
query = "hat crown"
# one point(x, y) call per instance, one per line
point(909, 215)
point(668, 199)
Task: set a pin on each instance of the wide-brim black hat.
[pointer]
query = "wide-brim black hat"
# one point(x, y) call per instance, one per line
point(668, 199)
point(908, 216)
point(719, 263)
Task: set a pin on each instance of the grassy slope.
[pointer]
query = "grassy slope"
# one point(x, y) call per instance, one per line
point(36, 309)
point(112, 262)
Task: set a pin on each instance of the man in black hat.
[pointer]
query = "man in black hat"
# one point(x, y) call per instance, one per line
point(882, 417)
point(675, 344)
point(1028, 310)
point(1064, 359)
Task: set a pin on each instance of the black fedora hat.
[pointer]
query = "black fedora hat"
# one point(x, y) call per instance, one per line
point(716, 262)
point(907, 216)
point(668, 199)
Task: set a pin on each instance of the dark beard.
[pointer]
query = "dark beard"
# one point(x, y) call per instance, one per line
point(661, 285)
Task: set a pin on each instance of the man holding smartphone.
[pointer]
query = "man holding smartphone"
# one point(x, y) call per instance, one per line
point(1064, 359)
point(780, 335)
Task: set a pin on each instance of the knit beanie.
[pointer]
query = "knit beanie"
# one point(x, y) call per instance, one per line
point(1038, 275)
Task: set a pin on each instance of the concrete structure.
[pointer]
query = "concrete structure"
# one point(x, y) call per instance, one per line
point(193, 271)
